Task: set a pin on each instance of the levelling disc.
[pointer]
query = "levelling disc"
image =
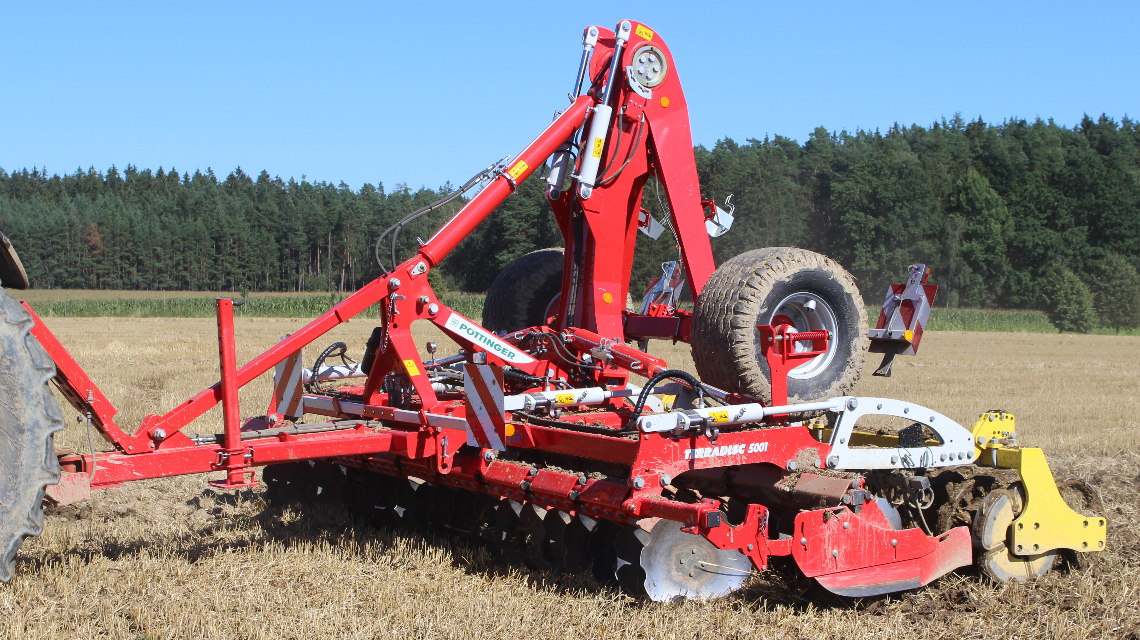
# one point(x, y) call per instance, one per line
point(681, 565)
point(991, 533)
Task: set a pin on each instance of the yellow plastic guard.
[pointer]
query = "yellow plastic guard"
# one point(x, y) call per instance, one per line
point(1047, 522)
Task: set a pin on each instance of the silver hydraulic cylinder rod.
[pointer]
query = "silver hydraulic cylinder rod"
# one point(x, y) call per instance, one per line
point(560, 162)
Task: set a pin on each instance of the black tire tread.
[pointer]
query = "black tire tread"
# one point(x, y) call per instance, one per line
point(507, 306)
point(29, 416)
point(724, 349)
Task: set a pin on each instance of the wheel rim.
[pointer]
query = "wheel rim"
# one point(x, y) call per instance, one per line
point(809, 312)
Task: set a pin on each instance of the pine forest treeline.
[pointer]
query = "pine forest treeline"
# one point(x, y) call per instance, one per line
point(993, 209)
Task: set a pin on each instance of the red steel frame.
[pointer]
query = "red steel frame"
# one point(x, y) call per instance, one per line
point(602, 231)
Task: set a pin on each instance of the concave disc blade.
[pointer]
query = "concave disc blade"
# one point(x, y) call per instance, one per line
point(464, 508)
point(485, 519)
point(442, 502)
point(628, 570)
point(602, 552)
point(554, 537)
point(532, 531)
point(576, 544)
point(421, 511)
point(507, 543)
point(370, 497)
point(404, 505)
point(681, 565)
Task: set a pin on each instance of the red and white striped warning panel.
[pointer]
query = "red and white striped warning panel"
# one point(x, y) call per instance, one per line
point(486, 417)
point(287, 387)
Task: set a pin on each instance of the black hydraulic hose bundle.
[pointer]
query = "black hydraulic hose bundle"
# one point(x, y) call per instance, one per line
point(485, 174)
point(647, 390)
point(336, 349)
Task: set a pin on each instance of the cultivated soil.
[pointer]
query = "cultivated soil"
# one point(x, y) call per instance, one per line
point(174, 558)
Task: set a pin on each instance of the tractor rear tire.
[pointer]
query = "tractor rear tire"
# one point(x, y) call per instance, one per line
point(29, 415)
point(812, 290)
point(522, 292)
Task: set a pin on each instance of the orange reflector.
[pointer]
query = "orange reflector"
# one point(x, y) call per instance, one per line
point(665, 102)
point(510, 430)
point(908, 335)
point(607, 297)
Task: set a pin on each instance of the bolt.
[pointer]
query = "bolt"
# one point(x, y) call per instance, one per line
point(682, 561)
point(832, 462)
point(750, 547)
point(394, 284)
point(639, 483)
point(632, 508)
point(894, 459)
point(574, 495)
point(159, 434)
point(433, 308)
point(791, 465)
point(803, 542)
point(835, 553)
point(524, 485)
point(424, 299)
point(581, 480)
point(489, 456)
point(533, 471)
point(846, 525)
point(665, 480)
point(852, 403)
point(894, 543)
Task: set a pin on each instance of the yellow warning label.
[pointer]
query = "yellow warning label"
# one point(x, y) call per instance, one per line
point(643, 32)
point(598, 144)
point(564, 398)
point(410, 365)
point(719, 416)
point(518, 169)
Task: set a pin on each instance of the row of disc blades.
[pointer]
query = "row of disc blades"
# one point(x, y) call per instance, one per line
point(652, 558)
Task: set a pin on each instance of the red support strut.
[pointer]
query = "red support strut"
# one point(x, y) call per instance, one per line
point(232, 458)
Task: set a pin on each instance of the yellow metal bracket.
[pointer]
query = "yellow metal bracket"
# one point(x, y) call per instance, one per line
point(1046, 522)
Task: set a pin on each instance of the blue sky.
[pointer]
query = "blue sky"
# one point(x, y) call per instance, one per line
point(422, 92)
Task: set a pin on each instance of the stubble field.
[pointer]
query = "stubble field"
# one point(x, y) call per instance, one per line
point(173, 558)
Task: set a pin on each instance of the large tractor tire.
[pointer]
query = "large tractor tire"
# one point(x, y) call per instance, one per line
point(524, 293)
point(788, 286)
point(29, 415)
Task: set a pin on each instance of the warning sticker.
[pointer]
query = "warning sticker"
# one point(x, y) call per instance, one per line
point(564, 398)
point(518, 169)
point(410, 365)
point(718, 416)
point(643, 32)
point(598, 144)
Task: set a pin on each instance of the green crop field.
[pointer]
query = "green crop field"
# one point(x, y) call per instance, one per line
point(82, 303)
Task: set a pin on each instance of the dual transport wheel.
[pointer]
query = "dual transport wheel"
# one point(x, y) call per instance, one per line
point(779, 285)
point(775, 285)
